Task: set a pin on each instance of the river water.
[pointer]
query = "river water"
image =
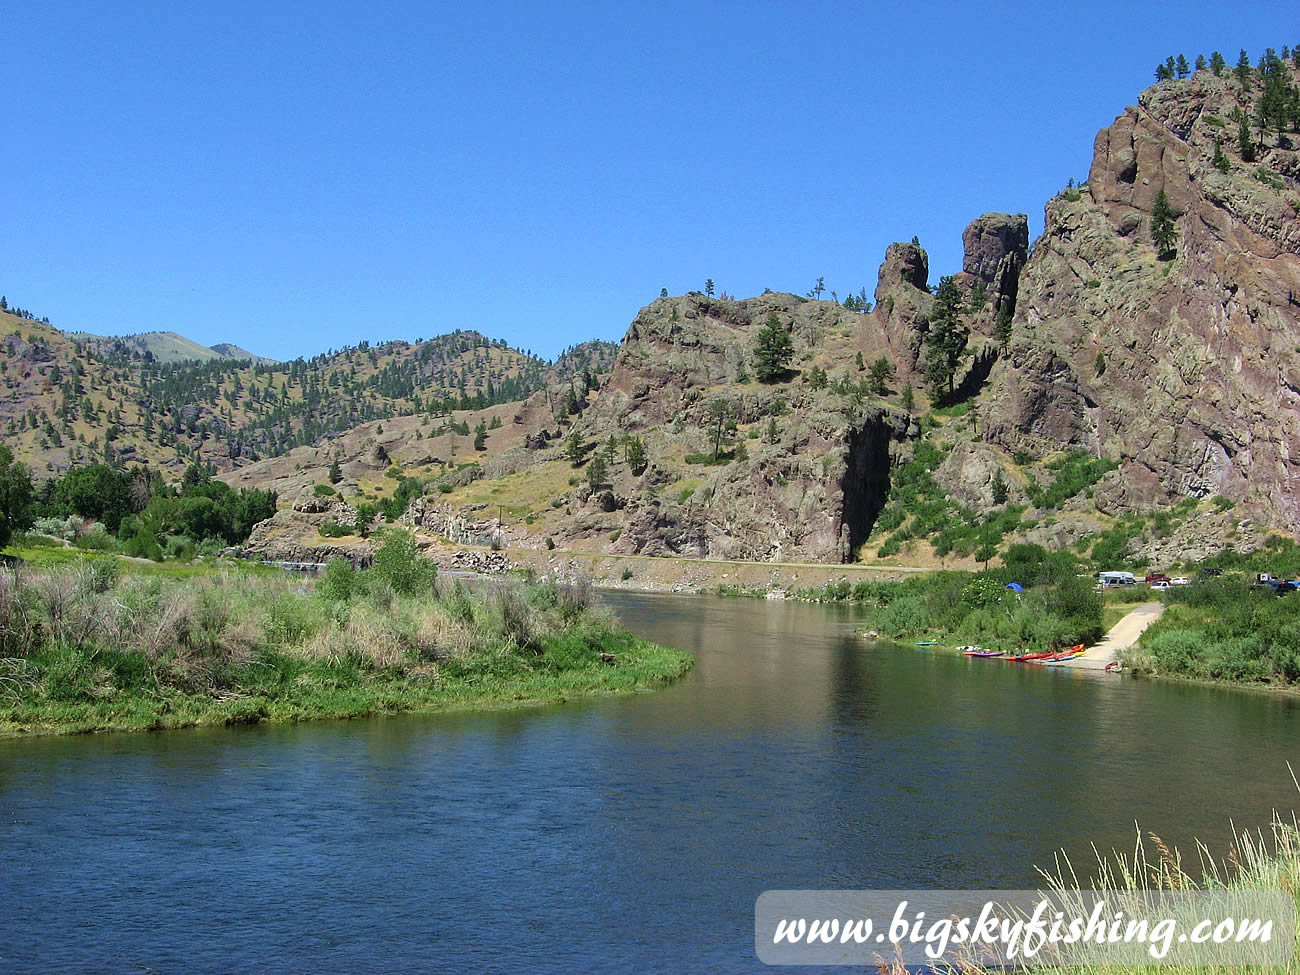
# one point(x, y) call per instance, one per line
point(624, 834)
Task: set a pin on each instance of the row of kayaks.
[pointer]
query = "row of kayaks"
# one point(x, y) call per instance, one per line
point(1049, 658)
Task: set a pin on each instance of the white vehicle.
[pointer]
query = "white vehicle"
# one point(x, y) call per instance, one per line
point(1160, 585)
point(1108, 579)
point(1180, 581)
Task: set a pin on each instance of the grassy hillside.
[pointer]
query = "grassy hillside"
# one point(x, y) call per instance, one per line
point(66, 401)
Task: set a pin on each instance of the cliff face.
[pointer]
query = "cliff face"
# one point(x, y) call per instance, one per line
point(1187, 368)
point(812, 470)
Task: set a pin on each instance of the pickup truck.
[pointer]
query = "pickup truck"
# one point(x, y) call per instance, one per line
point(1156, 577)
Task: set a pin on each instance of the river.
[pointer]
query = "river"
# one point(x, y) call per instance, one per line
point(627, 834)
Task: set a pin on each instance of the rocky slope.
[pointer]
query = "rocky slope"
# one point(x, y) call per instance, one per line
point(1187, 369)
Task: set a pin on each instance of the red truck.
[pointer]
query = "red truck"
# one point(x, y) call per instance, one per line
point(1156, 577)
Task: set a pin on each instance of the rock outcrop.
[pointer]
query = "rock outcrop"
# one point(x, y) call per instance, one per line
point(1187, 368)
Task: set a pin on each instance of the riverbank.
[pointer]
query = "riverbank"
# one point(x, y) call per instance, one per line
point(86, 649)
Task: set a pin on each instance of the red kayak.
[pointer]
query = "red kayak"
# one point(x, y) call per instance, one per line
point(1032, 656)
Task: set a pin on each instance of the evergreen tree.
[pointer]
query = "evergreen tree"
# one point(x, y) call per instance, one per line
point(708, 287)
point(1181, 68)
point(1163, 73)
point(480, 436)
point(1217, 64)
point(946, 340)
point(909, 399)
point(1163, 230)
point(1243, 70)
point(574, 450)
point(597, 471)
point(882, 374)
point(717, 416)
point(1200, 62)
point(999, 488)
point(772, 433)
point(1221, 162)
point(634, 454)
point(336, 472)
point(1245, 144)
point(773, 350)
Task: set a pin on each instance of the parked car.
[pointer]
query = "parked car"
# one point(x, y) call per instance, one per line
point(1156, 577)
point(1213, 572)
point(1180, 581)
point(1160, 585)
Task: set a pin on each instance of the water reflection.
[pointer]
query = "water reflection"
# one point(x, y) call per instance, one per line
point(610, 834)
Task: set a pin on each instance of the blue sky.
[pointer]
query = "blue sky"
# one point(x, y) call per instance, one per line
point(296, 177)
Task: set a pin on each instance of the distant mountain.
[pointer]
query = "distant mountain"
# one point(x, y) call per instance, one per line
point(166, 347)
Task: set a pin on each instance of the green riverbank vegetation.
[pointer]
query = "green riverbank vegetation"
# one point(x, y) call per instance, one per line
point(1224, 629)
point(90, 647)
point(1058, 607)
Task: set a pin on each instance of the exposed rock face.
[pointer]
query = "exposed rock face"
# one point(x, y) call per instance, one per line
point(1187, 369)
point(996, 248)
point(903, 301)
point(812, 493)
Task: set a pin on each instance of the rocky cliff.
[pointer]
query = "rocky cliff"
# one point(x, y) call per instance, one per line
point(1186, 367)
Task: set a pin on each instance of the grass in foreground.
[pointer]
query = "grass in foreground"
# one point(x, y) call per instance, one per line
point(84, 649)
point(1256, 861)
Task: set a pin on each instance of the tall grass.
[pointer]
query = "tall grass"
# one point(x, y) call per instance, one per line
point(82, 648)
point(1256, 860)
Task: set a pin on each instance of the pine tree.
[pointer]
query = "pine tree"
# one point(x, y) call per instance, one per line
point(1245, 144)
point(999, 488)
point(882, 374)
point(1200, 62)
point(708, 287)
point(634, 454)
point(909, 398)
point(574, 450)
point(336, 472)
point(946, 340)
point(1243, 70)
point(597, 471)
point(1163, 231)
point(1217, 64)
point(1180, 66)
point(717, 415)
point(1221, 162)
point(480, 436)
point(773, 350)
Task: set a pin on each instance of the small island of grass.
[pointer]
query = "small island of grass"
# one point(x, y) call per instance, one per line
point(88, 647)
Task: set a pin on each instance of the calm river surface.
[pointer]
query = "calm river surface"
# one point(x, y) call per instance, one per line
point(615, 835)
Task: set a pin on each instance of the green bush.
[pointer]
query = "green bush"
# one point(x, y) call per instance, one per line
point(338, 582)
point(323, 491)
point(399, 563)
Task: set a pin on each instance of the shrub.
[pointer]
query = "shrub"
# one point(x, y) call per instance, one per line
point(323, 491)
point(338, 581)
point(399, 563)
